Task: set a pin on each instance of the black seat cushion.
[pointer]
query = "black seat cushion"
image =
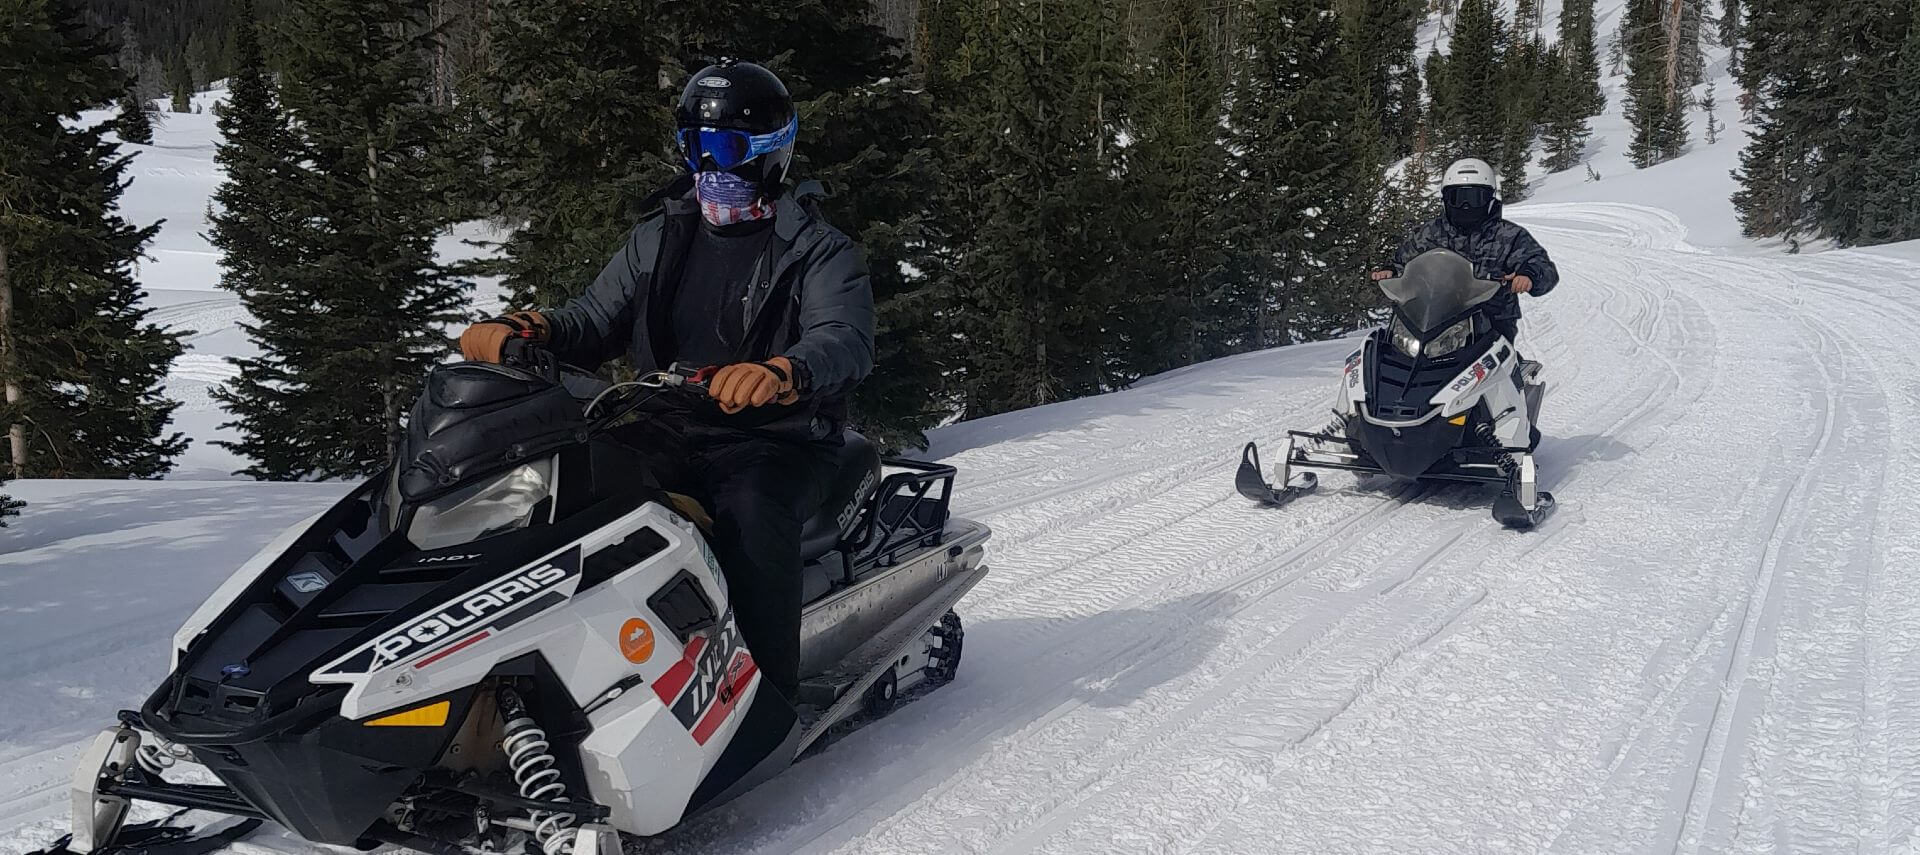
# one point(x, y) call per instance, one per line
point(856, 474)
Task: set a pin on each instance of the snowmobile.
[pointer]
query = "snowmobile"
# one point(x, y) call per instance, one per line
point(1436, 394)
point(504, 642)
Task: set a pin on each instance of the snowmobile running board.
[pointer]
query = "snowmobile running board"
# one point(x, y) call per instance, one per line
point(1253, 485)
point(871, 660)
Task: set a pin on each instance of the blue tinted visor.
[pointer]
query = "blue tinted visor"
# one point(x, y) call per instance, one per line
point(728, 148)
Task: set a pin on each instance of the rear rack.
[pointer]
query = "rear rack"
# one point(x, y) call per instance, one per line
point(908, 512)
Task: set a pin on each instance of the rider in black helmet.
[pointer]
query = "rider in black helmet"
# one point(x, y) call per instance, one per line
point(736, 269)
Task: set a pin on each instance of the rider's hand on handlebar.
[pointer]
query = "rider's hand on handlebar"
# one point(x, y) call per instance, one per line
point(485, 341)
point(1522, 283)
point(753, 384)
point(1382, 275)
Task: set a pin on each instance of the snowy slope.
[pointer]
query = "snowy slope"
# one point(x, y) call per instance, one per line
point(1710, 649)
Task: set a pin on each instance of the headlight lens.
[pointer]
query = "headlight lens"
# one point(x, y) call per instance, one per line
point(1403, 338)
point(1453, 339)
point(487, 508)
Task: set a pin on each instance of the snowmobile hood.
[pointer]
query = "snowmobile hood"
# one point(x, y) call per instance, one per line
point(1436, 288)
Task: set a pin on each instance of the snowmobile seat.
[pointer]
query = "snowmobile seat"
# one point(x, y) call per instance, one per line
point(855, 476)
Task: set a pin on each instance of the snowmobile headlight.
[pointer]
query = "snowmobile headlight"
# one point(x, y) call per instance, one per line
point(1403, 338)
point(490, 507)
point(1453, 339)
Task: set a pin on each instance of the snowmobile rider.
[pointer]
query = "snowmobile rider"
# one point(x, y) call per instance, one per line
point(1471, 225)
point(733, 269)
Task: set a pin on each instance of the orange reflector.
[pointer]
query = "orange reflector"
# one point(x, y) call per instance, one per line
point(1458, 420)
point(431, 715)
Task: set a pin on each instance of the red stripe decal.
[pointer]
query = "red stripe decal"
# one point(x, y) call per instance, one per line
point(471, 640)
point(743, 671)
point(669, 685)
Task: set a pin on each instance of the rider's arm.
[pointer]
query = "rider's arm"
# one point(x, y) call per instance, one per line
point(835, 350)
point(1530, 259)
point(597, 325)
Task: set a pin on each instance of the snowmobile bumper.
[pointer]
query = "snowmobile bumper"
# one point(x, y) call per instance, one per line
point(1249, 482)
point(1455, 465)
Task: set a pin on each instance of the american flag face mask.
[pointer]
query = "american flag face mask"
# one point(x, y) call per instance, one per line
point(726, 198)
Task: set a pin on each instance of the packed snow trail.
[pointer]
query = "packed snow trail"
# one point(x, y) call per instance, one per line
point(1708, 649)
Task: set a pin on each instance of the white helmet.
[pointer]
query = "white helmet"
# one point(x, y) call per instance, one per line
point(1469, 172)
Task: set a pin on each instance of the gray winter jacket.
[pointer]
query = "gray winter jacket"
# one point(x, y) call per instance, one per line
point(813, 304)
point(1497, 248)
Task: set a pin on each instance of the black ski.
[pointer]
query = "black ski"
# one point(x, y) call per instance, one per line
point(1253, 485)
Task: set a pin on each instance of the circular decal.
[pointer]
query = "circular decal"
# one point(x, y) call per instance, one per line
point(636, 641)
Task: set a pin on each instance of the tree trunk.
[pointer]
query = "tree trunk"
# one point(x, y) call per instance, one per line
point(1674, 27)
point(16, 432)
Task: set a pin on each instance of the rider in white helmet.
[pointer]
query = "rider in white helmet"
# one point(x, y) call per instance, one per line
point(1473, 227)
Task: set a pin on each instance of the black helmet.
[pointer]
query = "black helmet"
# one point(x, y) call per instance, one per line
point(738, 117)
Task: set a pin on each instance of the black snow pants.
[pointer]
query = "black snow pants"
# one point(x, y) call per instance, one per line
point(760, 491)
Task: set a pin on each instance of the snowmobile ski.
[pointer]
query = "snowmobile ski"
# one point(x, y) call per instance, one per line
point(1252, 485)
point(1520, 506)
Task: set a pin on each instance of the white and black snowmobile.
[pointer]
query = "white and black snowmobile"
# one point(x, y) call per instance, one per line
point(1436, 394)
point(503, 641)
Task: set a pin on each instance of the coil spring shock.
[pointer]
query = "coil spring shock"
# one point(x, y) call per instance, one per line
point(158, 756)
point(1508, 468)
point(534, 772)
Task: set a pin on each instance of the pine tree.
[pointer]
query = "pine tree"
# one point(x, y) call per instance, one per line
point(1730, 37)
point(80, 366)
point(346, 334)
point(1617, 50)
point(1890, 210)
point(1708, 104)
point(1525, 77)
point(1381, 37)
point(578, 128)
point(1027, 139)
point(1581, 58)
point(1289, 131)
point(1567, 130)
point(1439, 120)
point(1174, 175)
point(133, 125)
point(1653, 108)
point(180, 83)
point(1477, 118)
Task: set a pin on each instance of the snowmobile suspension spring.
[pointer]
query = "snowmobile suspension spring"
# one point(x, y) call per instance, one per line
point(534, 772)
point(1503, 460)
point(158, 756)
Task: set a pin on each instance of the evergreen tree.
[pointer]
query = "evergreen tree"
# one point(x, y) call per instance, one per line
point(1567, 130)
point(9, 506)
point(1478, 122)
point(1027, 136)
point(1581, 59)
point(80, 365)
point(180, 83)
point(1380, 36)
point(133, 125)
point(1730, 37)
point(1174, 176)
point(346, 334)
point(1653, 108)
point(1439, 121)
point(1289, 124)
point(579, 130)
point(1708, 104)
point(1525, 79)
point(1890, 210)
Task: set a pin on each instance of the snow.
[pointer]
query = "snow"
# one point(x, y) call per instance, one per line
point(1709, 649)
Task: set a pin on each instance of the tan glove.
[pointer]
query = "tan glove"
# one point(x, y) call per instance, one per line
point(484, 341)
point(753, 384)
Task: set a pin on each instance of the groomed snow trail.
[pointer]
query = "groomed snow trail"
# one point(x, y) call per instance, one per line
point(1709, 649)
point(1701, 653)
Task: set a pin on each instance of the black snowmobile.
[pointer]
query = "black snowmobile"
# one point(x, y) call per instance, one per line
point(1436, 394)
point(503, 641)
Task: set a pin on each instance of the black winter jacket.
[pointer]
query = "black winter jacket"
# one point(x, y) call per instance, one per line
point(813, 304)
point(1497, 248)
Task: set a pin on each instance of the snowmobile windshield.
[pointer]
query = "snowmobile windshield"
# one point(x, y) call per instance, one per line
point(1437, 287)
point(495, 505)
